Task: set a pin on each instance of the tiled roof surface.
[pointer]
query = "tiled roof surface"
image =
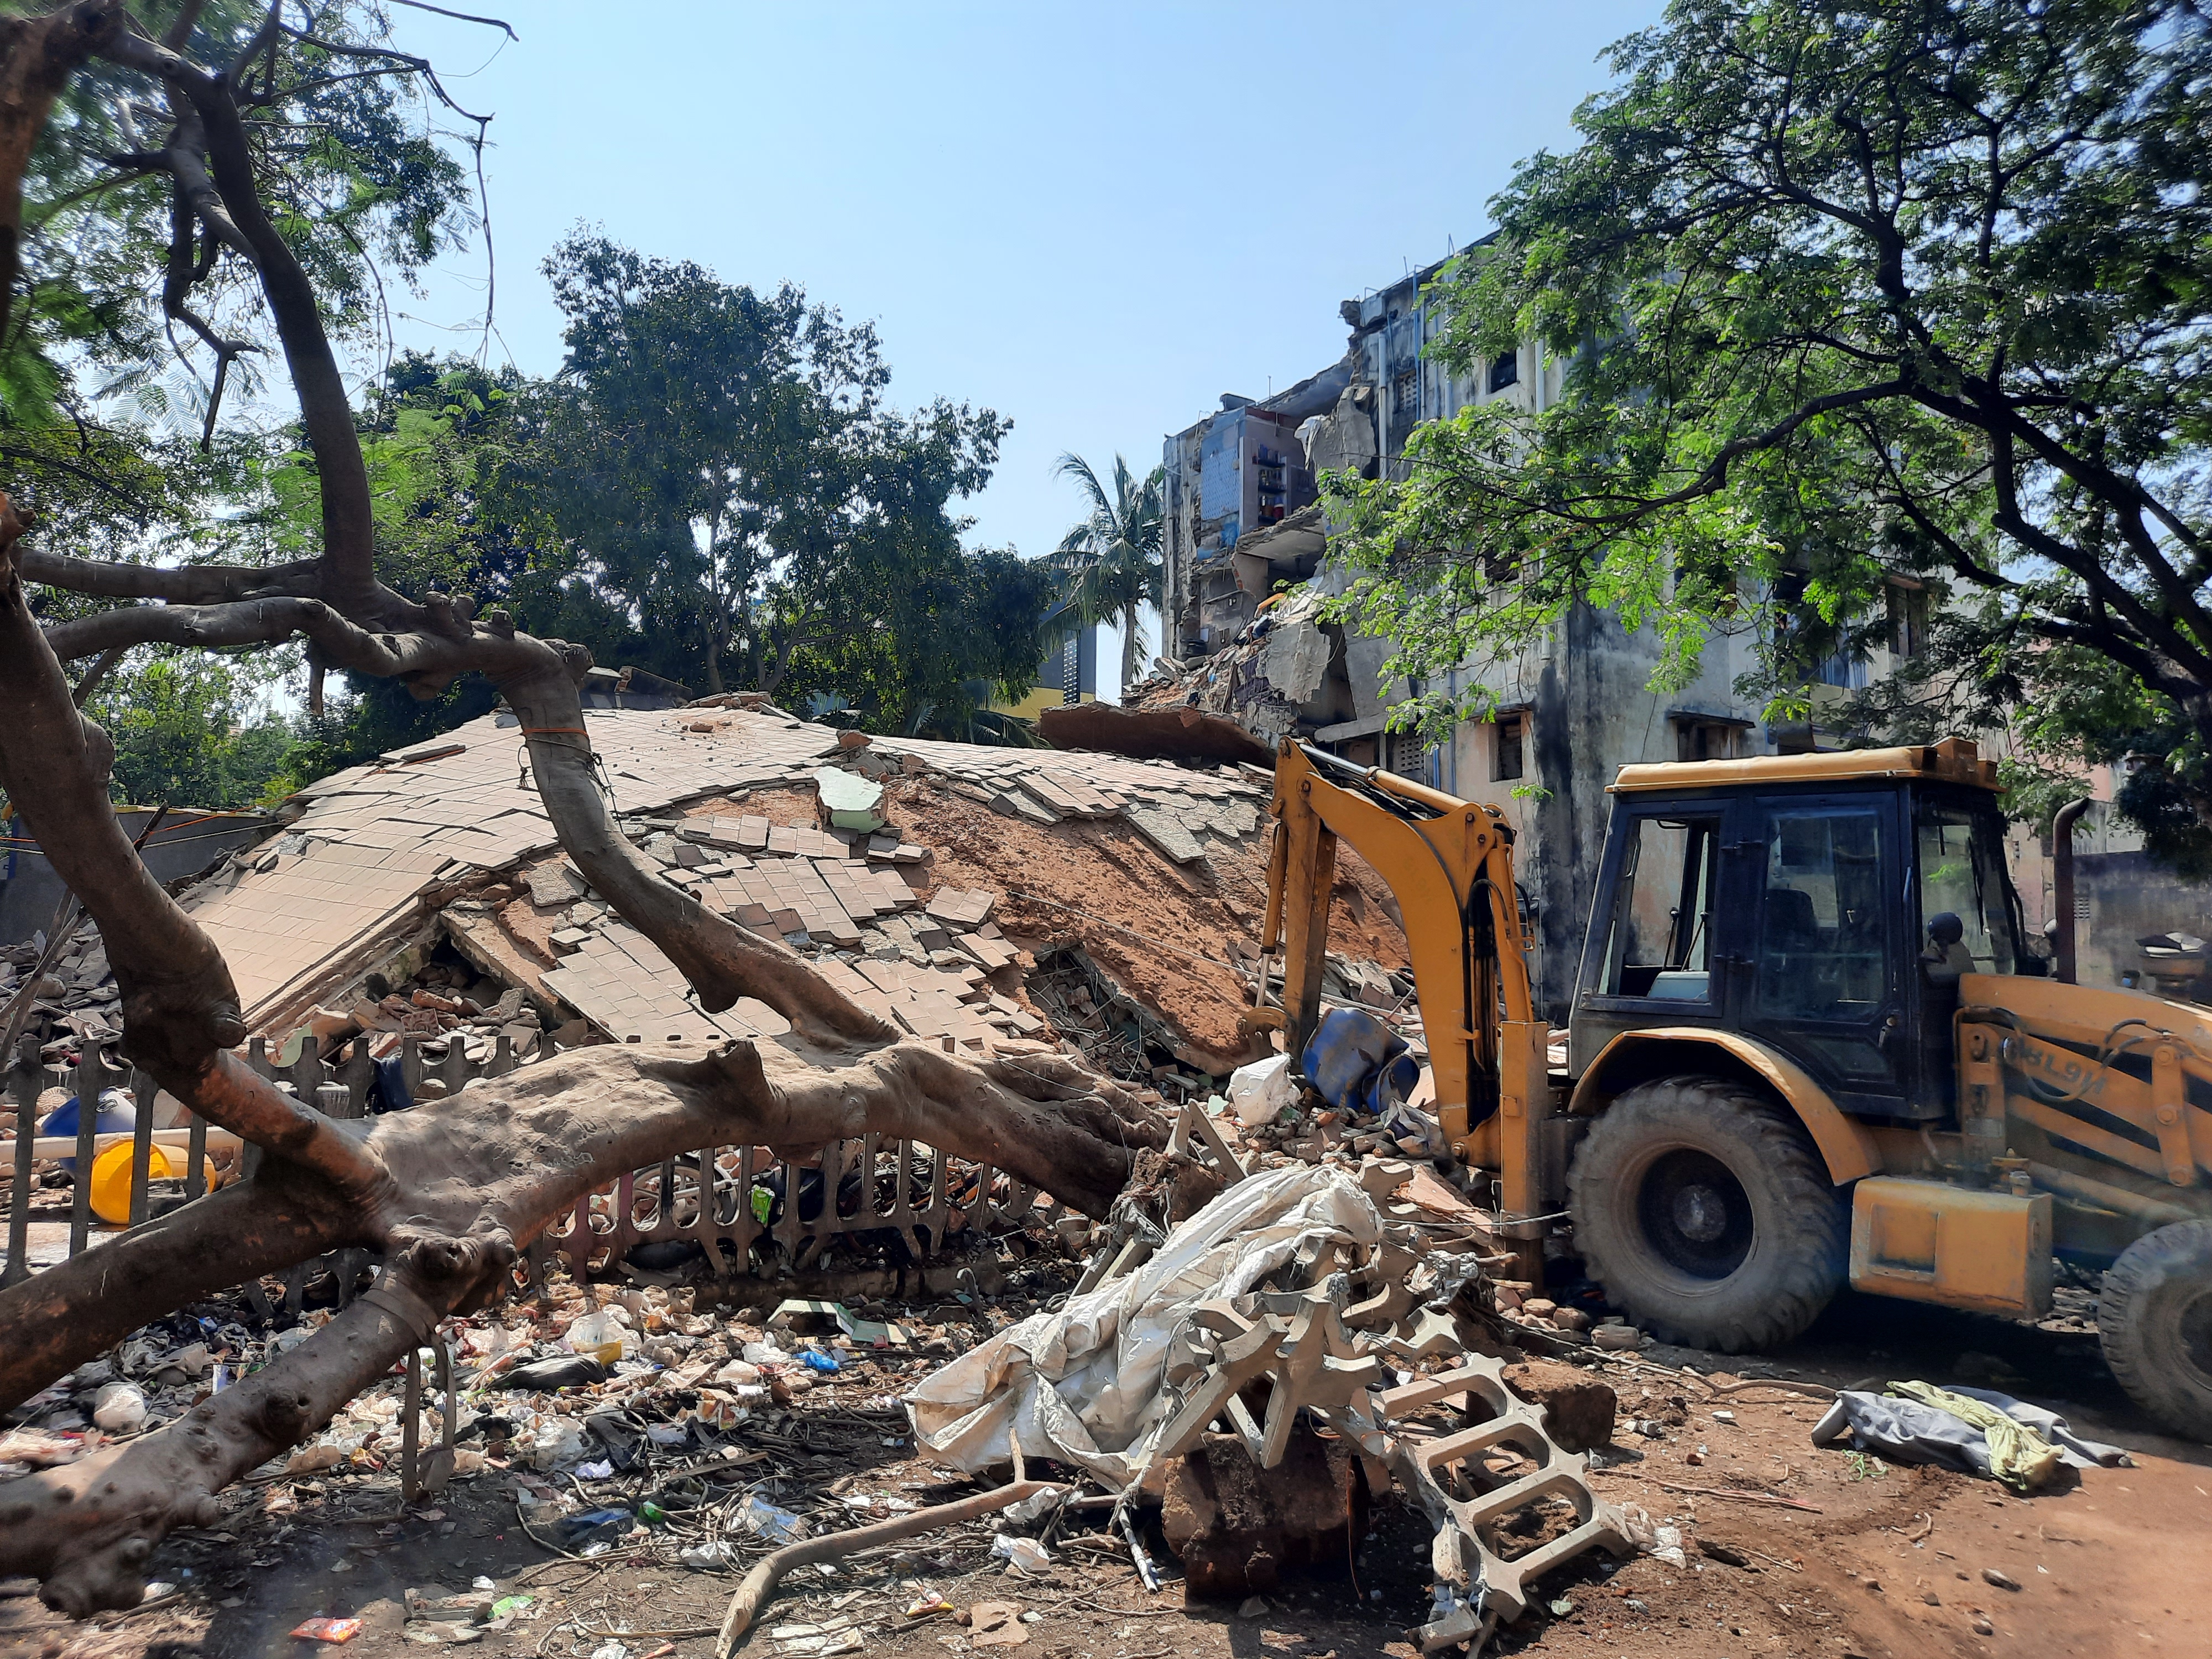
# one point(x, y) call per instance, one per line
point(373, 844)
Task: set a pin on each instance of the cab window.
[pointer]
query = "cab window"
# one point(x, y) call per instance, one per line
point(1821, 948)
point(1661, 943)
point(1960, 858)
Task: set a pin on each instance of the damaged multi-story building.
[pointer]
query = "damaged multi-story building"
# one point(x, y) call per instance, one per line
point(1246, 550)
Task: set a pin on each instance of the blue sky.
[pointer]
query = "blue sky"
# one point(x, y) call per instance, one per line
point(1093, 219)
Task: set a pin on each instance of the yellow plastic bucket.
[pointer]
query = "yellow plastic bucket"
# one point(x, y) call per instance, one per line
point(111, 1180)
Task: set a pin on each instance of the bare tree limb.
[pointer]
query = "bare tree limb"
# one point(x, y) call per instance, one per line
point(191, 583)
point(349, 546)
point(465, 17)
point(88, 681)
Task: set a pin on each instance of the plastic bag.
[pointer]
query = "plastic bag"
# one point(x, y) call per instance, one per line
point(557, 1444)
point(1036, 1504)
point(604, 1335)
point(777, 1525)
point(1258, 1092)
point(120, 1408)
point(1026, 1554)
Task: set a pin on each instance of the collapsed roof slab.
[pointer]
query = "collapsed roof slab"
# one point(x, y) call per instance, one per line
point(724, 801)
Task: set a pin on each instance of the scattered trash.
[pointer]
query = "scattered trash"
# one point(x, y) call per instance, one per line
point(607, 1526)
point(561, 1372)
point(340, 1630)
point(1036, 1507)
point(1260, 1092)
point(778, 1526)
point(120, 1409)
point(1976, 1430)
point(1026, 1554)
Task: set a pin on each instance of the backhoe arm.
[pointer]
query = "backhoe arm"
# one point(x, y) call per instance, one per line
point(1449, 863)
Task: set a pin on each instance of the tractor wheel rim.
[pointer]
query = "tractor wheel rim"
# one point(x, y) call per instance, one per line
point(1695, 1214)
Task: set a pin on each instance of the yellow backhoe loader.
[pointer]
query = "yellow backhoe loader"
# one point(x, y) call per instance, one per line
point(1808, 1046)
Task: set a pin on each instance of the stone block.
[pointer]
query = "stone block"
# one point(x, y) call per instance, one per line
point(1241, 1530)
point(1578, 1408)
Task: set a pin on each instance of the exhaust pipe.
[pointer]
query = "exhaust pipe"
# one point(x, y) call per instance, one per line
point(2062, 887)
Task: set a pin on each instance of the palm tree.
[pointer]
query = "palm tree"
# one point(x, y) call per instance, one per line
point(1109, 564)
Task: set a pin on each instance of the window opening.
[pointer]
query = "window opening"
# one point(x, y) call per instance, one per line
point(1661, 939)
point(1508, 760)
point(1958, 849)
point(1705, 740)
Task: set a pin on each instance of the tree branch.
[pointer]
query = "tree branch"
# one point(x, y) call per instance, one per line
point(191, 583)
point(326, 413)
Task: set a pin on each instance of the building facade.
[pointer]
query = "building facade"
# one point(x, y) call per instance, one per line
point(1244, 530)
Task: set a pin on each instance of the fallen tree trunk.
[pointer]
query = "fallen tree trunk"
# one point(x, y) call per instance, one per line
point(512, 1155)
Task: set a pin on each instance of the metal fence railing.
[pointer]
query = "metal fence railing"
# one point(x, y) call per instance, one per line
point(743, 1208)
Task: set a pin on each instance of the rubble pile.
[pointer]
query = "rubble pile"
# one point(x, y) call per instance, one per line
point(73, 1000)
point(444, 1002)
point(417, 910)
point(1298, 1386)
point(1263, 679)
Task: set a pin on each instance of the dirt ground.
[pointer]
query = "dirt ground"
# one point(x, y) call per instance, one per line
point(1882, 1563)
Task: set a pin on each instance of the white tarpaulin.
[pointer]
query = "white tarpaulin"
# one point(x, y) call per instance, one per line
point(1083, 1384)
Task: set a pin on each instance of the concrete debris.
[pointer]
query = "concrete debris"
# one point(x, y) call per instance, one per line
point(1151, 734)
point(838, 847)
point(1260, 681)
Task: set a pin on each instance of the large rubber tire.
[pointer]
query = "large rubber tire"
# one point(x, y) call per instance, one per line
point(1705, 1211)
point(2155, 1319)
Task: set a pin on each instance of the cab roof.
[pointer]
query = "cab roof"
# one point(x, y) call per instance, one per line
point(1954, 760)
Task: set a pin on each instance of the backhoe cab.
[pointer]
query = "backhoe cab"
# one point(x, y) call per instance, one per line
point(1808, 1046)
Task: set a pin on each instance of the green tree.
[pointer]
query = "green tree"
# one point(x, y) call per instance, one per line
point(1110, 563)
point(188, 731)
point(136, 313)
point(140, 309)
point(1904, 289)
point(723, 462)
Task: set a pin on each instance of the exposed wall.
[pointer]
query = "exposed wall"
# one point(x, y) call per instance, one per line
point(2122, 897)
point(188, 843)
point(2120, 894)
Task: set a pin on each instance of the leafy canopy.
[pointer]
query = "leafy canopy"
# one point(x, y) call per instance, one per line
point(714, 489)
point(1847, 293)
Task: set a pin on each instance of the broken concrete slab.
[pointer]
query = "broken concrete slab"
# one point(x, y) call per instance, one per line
point(1166, 831)
point(849, 801)
point(1151, 734)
